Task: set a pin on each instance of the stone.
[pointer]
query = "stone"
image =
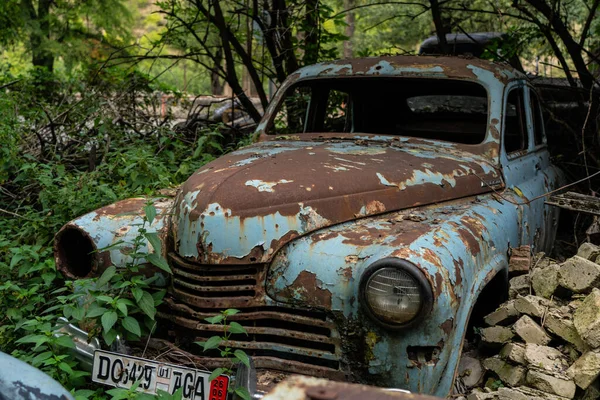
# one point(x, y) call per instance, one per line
point(545, 358)
point(534, 306)
point(479, 395)
point(505, 314)
point(551, 384)
point(524, 393)
point(511, 375)
point(587, 319)
point(592, 392)
point(589, 251)
point(562, 326)
point(579, 275)
point(545, 280)
point(514, 352)
point(496, 335)
point(586, 369)
point(519, 285)
point(470, 371)
point(520, 260)
point(530, 331)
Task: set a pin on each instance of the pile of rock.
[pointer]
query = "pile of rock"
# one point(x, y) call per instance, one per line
point(547, 335)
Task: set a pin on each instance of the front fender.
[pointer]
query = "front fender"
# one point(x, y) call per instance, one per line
point(85, 247)
point(459, 246)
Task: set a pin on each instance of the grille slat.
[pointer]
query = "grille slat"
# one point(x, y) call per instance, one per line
point(201, 291)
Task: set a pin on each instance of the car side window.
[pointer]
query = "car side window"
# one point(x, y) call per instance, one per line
point(293, 114)
point(538, 122)
point(515, 125)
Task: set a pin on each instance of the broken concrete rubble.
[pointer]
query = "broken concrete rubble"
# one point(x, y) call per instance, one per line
point(530, 331)
point(554, 353)
point(562, 326)
point(589, 252)
point(579, 275)
point(587, 319)
point(509, 374)
point(505, 314)
point(534, 306)
point(586, 369)
point(514, 352)
point(496, 335)
point(519, 285)
point(545, 358)
point(545, 280)
point(551, 384)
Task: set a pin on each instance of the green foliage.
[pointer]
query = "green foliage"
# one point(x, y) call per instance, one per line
point(220, 343)
point(46, 180)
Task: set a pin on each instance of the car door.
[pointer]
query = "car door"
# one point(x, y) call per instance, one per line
point(524, 159)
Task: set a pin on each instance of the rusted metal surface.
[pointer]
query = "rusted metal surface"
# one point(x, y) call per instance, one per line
point(285, 229)
point(305, 388)
point(325, 184)
point(78, 246)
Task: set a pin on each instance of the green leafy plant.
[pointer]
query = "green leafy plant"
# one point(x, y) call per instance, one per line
point(121, 302)
point(220, 343)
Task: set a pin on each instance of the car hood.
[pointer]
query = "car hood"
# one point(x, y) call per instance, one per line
point(242, 207)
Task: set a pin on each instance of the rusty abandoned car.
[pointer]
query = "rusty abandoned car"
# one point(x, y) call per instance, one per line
point(370, 222)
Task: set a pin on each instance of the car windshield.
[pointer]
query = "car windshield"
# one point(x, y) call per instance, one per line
point(443, 109)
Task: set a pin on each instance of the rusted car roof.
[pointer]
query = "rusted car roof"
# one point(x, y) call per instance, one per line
point(431, 66)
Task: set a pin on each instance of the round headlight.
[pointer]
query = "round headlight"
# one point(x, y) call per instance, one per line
point(395, 292)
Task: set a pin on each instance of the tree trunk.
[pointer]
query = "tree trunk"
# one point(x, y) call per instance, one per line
point(232, 78)
point(216, 86)
point(311, 32)
point(573, 48)
point(440, 28)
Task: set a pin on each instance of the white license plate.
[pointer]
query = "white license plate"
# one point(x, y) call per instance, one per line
point(123, 371)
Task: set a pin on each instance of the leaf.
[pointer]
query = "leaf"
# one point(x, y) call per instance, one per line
point(106, 299)
point(118, 394)
point(132, 325)
point(234, 327)
point(122, 307)
point(150, 212)
point(65, 341)
point(110, 336)
point(137, 293)
point(108, 320)
point(230, 311)
point(157, 260)
point(106, 276)
point(13, 313)
point(37, 360)
point(211, 343)
point(217, 372)
point(154, 241)
point(37, 339)
point(96, 312)
point(78, 313)
point(65, 367)
point(243, 393)
point(146, 304)
point(215, 320)
point(243, 357)
point(15, 260)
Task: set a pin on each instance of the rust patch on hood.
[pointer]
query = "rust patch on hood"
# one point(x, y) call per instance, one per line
point(268, 193)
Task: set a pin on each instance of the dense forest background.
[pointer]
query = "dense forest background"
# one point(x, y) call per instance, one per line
point(101, 100)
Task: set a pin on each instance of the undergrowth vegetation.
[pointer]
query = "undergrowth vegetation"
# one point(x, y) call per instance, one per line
point(97, 139)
